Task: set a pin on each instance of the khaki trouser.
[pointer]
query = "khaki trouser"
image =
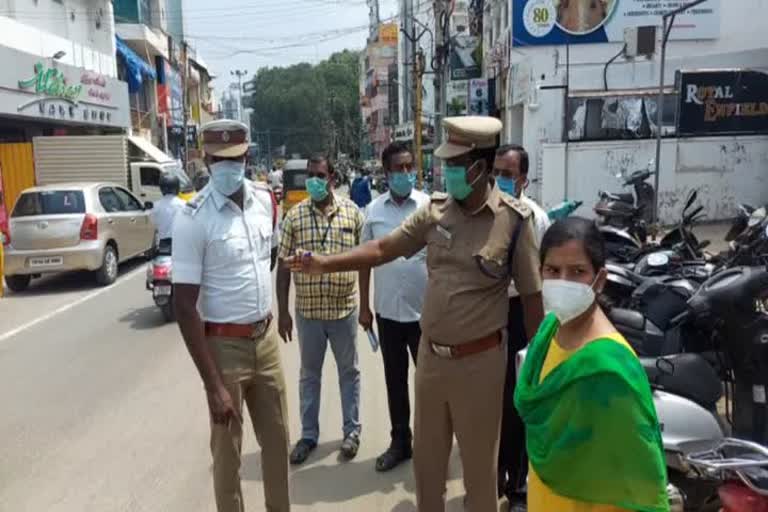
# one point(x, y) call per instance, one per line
point(461, 397)
point(253, 373)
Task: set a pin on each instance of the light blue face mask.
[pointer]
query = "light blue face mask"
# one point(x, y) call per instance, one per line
point(401, 183)
point(317, 188)
point(508, 185)
point(227, 176)
point(456, 181)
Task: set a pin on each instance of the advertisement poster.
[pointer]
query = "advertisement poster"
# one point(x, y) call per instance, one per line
point(478, 97)
point(466, 57)
point(457, 97)
point(722, 102)
point(558, 22)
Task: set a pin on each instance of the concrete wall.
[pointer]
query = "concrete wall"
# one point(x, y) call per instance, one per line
point(84, 29)
point(725, 170)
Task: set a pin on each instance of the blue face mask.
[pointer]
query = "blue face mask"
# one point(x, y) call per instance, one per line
point(508, 185)
point(317, 188)
point(401, 183)
point(227, 176)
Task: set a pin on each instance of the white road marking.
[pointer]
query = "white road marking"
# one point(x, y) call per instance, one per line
point(13, 332)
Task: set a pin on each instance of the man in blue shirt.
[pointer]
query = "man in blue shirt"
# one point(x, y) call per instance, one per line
point(398, 297)
point(360, 190)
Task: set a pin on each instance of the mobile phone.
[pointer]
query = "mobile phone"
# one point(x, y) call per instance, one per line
point(372, 339)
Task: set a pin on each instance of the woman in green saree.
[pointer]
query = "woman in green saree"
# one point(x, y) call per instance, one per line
point(593, 437)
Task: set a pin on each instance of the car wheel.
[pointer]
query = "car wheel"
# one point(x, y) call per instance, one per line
point(107, 274)
point(18, 283)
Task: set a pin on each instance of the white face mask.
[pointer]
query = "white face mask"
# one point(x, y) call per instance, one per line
point(566, 299)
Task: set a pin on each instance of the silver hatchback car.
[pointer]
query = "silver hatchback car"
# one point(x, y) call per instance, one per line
point(75, 226)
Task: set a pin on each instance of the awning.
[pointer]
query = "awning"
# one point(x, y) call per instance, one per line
point(136, 67)
point(153, 152)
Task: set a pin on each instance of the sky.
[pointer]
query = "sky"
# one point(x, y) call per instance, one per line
point(251, 34)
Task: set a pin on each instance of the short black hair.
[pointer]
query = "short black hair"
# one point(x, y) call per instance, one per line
point(320, 158)
point(487, 154)
point(520, 150)
point(578, 229)
point(393, 149)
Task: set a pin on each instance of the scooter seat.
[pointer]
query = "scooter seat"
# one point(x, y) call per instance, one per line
point(688, 375)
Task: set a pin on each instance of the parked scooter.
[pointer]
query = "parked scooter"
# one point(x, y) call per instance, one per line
point(563, 210)
point(159, 273)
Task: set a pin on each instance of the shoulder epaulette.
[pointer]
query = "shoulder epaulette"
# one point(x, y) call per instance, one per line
point(194, 204)
point(516, 204)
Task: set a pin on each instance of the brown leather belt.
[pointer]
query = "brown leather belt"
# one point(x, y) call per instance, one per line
point(466, 349)
point(251, 331)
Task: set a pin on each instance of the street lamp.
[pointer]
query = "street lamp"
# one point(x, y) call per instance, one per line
point(239, 73)
point(668, 20)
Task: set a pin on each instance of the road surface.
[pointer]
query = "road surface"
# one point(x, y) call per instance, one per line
point(104, 411)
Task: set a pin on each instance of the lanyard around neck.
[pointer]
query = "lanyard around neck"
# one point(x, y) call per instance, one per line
point(327, 227)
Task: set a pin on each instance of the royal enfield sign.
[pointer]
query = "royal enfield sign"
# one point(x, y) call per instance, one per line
point(558, 22)
point(722, 102)
point(45, 90)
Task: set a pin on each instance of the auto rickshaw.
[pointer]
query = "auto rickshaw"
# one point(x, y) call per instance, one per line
point(294, 183)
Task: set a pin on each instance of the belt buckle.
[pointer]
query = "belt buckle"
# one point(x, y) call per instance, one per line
point(443, 351)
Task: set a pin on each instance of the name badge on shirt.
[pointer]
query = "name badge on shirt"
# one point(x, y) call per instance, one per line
point(447, 234)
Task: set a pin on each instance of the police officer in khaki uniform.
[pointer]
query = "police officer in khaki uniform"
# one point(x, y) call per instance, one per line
point(225, 243)
point(477, 239)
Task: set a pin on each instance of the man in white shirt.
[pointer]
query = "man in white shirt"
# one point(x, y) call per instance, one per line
point(165, 209)
point(226, 240)
point(398, 297)
point(510, 169)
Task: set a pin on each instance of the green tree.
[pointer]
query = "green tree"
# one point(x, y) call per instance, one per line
point(309, 108)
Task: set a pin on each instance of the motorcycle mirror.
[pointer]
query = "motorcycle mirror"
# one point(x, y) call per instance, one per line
point(665, 366)
point(691, 198)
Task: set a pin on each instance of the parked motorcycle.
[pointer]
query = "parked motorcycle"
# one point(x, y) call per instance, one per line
point(741, 468)
point(159, 280)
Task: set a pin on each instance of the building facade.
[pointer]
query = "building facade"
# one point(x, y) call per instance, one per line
point(586, 109)
point(59, 70)
point(379, 57)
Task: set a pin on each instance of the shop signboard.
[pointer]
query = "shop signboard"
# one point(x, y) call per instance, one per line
point(457, 97)
point(170, 95)
point(559, 22)
point(479, 104)
point(722, 102)
point(45, 90)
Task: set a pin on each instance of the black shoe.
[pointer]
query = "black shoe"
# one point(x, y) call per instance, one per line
point(350, 445)
point(302, 450)
point(395, 455)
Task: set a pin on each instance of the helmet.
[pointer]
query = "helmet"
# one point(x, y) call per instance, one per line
point(201, 180)
point(169, 184)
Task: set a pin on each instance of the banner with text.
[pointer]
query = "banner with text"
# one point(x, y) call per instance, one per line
point(558, 22)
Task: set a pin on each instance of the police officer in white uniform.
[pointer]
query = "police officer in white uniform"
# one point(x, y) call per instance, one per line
point(225, 245)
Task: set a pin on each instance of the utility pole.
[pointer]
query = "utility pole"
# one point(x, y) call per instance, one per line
point(440, 64)
point(185, 101)
point(668, 20)
point(418, 69)
point(239, 73)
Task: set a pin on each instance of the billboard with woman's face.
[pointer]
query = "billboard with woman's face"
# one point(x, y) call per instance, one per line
point(557, 22)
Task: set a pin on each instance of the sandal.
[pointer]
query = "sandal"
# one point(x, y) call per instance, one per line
point(350, 445)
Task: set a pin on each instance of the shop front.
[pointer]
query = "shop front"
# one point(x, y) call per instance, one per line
point(40, 96)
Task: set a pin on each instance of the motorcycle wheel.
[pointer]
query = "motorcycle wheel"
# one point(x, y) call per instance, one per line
point(168, 313)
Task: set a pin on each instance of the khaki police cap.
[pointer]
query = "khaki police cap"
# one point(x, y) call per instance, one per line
point(466, 133)
point(225, 138)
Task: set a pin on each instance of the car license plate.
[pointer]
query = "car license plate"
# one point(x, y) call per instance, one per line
point(48, 261)
point(162, 290)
